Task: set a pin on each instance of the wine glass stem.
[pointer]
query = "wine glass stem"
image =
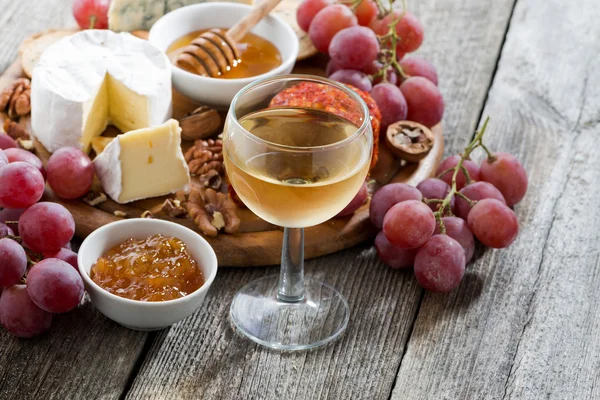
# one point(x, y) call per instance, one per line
point(291, 278)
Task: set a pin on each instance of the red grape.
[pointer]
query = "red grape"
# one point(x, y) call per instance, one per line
point(417, 66)
point(65, 255)
point(391, 103)
point(13, 262)
point(409, 224)
point(393, 256)
point(356, 202)
point(46, 227)
point(70, 173)
point(13, 215)
point(451, 162)
point(6, 142)
point(354, 47)
point(3, 158)
point(327, 23)
point(21, 185)
point(476, 191)
point(388, 196)
point(365, 12)
point(54, 286)
point(458, 230)
point(493, 223)
point(19, 314)
point(424, 100)
point(5, 230)
point(331, 68)
point(352, 77)
point(440, 264)
point(307, 10)
point(409, 29)
point(91, 14)
point(507, 174)
point(436, 189)
point(25, 156)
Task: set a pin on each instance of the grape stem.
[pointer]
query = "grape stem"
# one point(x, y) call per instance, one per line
point(388, 42)
point(444, 208)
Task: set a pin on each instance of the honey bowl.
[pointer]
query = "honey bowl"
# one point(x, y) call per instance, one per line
point(219, 92)
point(145, 315)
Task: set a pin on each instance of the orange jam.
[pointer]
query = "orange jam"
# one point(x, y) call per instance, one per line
point(158, 268)
point(257, 55)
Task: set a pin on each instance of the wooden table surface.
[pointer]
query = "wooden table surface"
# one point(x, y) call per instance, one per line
point(524, 323)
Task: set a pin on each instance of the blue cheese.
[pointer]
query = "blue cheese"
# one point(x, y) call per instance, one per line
point(131, 15)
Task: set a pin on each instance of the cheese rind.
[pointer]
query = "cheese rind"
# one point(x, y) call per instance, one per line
point(143, 163)
point(95, 77)
point(131, 15)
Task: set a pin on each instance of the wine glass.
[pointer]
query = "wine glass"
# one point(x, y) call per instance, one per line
point(295, 167)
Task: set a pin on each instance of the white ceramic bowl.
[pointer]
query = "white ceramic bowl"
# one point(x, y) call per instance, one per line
point(141, 315)
point(212, 91)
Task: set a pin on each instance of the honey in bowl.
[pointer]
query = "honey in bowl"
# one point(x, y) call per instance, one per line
point(157, 268)
point(257, 55)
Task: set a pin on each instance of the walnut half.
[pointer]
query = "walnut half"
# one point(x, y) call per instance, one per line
point(212, 211)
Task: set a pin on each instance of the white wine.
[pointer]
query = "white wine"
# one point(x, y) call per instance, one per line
point(296, 176)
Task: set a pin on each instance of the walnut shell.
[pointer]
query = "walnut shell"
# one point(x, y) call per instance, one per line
point(409, 140)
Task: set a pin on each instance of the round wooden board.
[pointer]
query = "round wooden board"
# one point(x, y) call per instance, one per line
point(286, 10)
point(257, 243)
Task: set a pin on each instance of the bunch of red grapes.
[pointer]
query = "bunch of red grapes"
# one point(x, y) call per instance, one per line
point(367, 44)
point(432, 227)
point(38, 271)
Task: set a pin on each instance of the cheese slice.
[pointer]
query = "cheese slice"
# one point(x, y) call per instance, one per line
point(94, 78)
point(99, 143)
point(131, 15)
point(143, 163)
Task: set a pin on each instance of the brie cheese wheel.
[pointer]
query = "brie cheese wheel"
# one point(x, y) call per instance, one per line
point(131, 15)
point(143, 163)
point(95, 77)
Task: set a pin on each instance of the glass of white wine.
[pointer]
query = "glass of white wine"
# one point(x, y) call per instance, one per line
point(295, 168)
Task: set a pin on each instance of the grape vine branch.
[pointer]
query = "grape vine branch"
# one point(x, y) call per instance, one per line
point(444, 207)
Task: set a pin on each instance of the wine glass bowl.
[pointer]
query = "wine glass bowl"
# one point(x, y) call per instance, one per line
point(294, 167)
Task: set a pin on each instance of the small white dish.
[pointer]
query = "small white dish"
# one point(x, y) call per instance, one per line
point(214, 91)
point(143, 315)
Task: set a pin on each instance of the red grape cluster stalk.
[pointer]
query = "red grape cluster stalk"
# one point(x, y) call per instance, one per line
point(433, 226)
point(38, 271)
point(367, 43)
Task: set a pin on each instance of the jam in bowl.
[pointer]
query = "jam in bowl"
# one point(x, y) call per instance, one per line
point(146, 274)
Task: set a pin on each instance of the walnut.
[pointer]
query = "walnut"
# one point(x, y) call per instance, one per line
point(409, 140)
point(147, 214)
point(201, 123)
point(14, 130)
point(16, 100)
point(26, 144)
point(205, 160)
point(173, 208)
point(211, 179)
point(94, 198)
point(212, 211)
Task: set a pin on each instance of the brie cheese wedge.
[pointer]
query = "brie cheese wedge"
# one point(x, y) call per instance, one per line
point(143, 163)
point(95, 77)
point(131, 15)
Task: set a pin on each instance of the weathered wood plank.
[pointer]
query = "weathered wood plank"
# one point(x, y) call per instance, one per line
point(19, 19)
point(203, 358)
point(84, 355)
point(523, 324)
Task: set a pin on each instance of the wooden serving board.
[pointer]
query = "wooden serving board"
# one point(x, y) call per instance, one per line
point(257, 243)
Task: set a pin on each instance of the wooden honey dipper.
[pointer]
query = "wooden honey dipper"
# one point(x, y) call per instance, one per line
point(215, 52)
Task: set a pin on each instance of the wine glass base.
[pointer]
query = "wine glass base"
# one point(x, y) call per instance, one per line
point(319, 318)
